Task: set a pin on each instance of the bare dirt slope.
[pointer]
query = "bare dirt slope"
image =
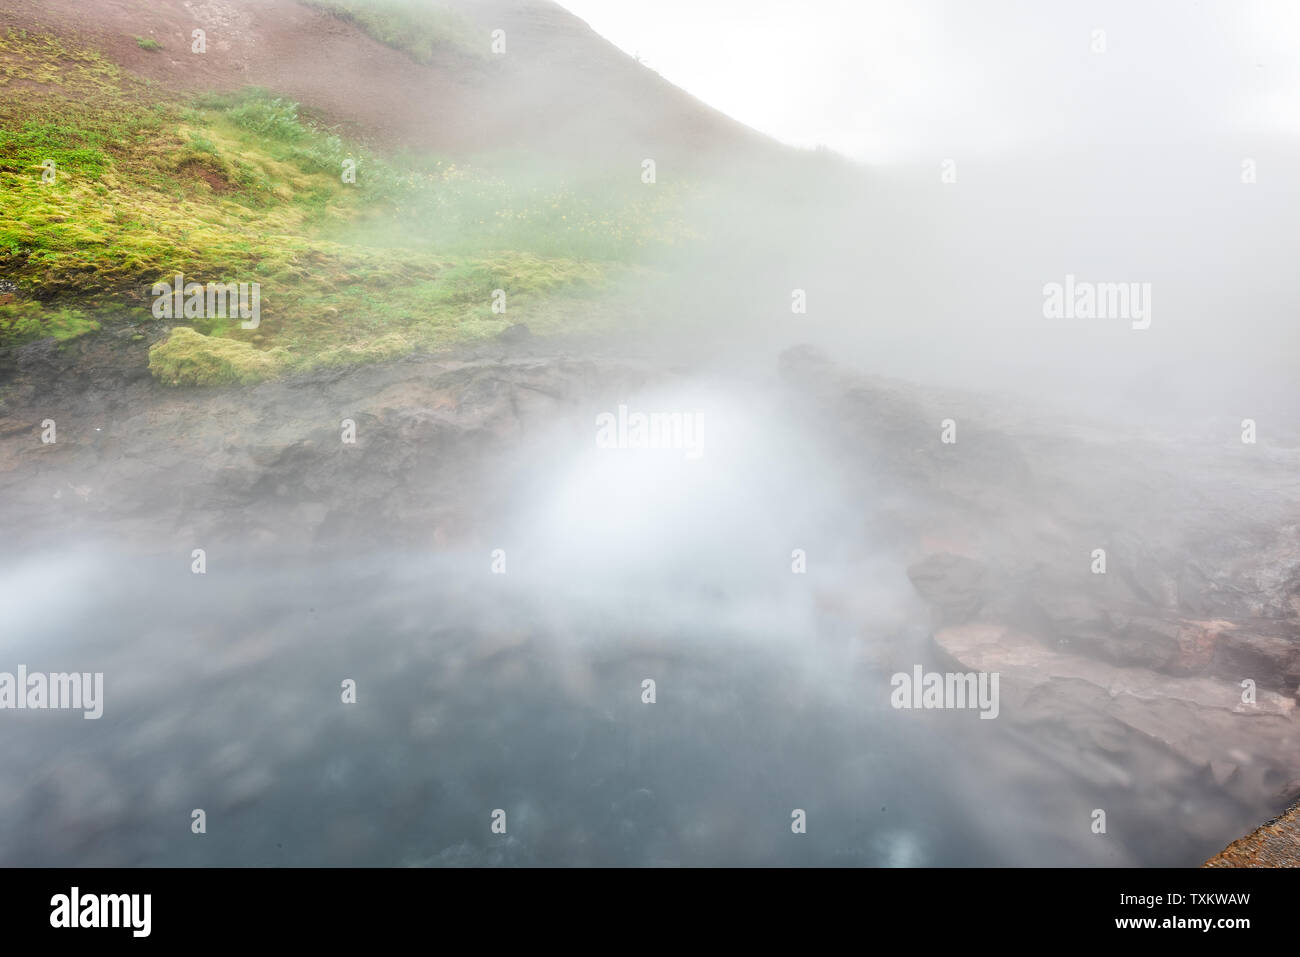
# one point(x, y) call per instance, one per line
point(559, 89)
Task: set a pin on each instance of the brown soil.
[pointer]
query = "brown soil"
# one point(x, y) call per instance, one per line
point(560, 89)
point(195, 170)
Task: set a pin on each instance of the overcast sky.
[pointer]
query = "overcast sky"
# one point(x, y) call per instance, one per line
point(884, 80)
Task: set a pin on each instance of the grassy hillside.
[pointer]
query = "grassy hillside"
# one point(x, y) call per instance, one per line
point(417, 27)
point(107, 186)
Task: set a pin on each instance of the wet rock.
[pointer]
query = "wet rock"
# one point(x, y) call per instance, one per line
point(1141, 641)
point(953, 584)
point(1275, 844)
point(1266, 652)
point(1250, 749)
point(518, 333)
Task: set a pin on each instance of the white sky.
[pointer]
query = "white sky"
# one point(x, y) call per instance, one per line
point(885, 80)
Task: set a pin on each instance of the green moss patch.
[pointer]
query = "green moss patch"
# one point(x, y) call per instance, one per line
point(187, 357)
point(22, 322)
point(105, 191)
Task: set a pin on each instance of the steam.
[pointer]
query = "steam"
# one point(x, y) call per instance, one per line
point(739, 539)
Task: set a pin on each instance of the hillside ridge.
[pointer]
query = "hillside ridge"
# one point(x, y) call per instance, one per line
point(559, 89)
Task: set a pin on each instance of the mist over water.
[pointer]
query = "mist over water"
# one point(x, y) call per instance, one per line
point(523, 690)
point(501, 582)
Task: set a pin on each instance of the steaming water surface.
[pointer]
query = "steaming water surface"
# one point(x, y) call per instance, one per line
point(523, 691)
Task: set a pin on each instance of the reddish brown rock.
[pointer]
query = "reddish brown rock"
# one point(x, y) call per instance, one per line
point(1275, 844)
point(952, 584)
point(1111, 715)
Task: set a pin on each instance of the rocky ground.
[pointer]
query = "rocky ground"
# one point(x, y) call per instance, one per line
point(1173, 672)
point(1275, 844)
point(269, 464)
point(1181, 662)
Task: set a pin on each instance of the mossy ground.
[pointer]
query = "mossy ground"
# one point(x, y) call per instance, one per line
point(25, 321)
point(191, 358)
point(107, 187)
